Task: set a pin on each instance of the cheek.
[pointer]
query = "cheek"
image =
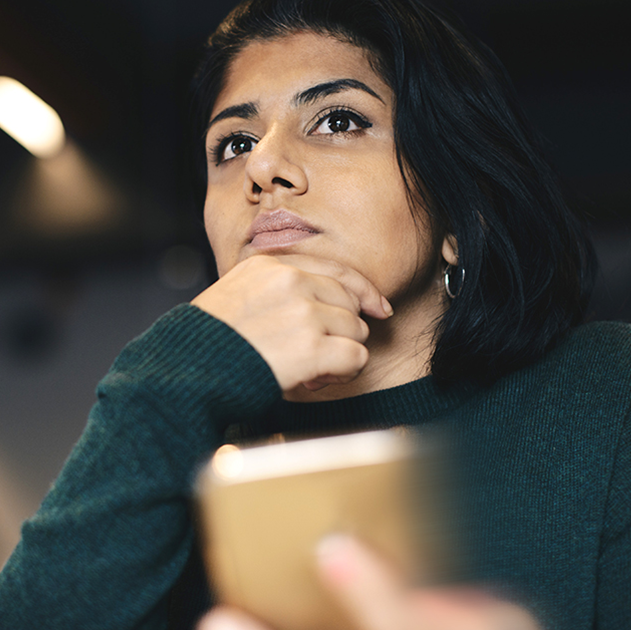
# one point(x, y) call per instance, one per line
point(221, 235)
point(372, 198)
point(403, 241)
point(379, 233)
point(406, 231)
point(225, 217)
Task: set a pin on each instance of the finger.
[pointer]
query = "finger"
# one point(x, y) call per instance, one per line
point(315, 385)
point(343, 362)
point(339, 360)
point(328, 379)
point(377, 599)
point(462, 608)
point(340, 322)
point(330, 291)
point(371, 302)
point(308, 280)
point(367, 588)
point(223, 618)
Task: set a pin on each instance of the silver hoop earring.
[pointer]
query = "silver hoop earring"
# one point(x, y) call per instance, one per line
point(451, 290)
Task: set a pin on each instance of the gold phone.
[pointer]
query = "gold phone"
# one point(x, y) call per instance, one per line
point(264, 509)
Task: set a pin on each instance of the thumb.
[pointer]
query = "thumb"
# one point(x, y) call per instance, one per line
point(224, 618)
point(376, 598)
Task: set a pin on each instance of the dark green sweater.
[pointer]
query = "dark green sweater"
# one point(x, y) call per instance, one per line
point(553, 498)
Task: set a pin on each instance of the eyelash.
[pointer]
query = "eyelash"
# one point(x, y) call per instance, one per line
point(361, 122)
point(223, 142)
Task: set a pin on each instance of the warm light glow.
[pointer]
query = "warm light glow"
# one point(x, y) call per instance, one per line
point(30, 121)
point(232, 464)
point(67, 195)
point(228, 461)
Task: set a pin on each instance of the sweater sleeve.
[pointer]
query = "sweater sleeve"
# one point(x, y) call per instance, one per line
point(113, 533)
point(613, 610)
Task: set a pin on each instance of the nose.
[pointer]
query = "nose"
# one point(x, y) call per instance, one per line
point(274, 166)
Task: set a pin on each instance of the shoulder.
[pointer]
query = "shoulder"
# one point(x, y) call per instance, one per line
point(614, 335)
point(586, 377)
point(598, 347)
point(595, 355)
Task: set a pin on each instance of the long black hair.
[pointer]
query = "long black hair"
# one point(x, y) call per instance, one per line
point(466, 149)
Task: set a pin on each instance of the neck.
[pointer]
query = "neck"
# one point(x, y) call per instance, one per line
point(400, 352)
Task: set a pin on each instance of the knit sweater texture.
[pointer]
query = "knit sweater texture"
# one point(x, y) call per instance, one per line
point(552, 499)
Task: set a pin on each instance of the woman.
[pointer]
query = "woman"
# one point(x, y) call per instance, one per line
point(391, 248)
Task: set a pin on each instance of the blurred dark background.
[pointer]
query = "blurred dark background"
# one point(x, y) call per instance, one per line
point(100, 240)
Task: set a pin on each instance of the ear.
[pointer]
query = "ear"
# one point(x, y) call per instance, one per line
point(450, 249)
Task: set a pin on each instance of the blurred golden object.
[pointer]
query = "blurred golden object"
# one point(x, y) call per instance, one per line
point(264, 510)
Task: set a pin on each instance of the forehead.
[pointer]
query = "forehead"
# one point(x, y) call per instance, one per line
point(280, 68)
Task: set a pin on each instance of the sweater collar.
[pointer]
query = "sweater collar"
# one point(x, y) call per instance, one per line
point(416, 402)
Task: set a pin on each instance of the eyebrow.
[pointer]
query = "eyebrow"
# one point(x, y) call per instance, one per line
point(322, 90)
point(248, 111)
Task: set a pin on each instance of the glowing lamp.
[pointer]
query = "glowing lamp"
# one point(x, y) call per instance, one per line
point(30, 121)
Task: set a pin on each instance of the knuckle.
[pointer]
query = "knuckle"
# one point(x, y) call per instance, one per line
point(304, 310)
point(369, 291)
point(355, 353)
point(311, 342)
point(288, 277)
point(356, 326)
point(355, 300)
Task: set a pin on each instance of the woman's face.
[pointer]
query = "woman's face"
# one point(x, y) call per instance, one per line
point(301, 160)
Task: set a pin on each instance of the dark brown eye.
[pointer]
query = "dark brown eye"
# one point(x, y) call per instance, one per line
point(339, 122)
point(234, 147)
point(241, 145)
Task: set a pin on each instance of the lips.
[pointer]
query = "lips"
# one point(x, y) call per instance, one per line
point(278, 229)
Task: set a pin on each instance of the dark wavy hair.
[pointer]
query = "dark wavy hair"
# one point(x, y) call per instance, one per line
point(466, 149)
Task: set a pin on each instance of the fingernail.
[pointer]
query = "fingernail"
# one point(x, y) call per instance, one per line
point(388, 310)
point(334, 558)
